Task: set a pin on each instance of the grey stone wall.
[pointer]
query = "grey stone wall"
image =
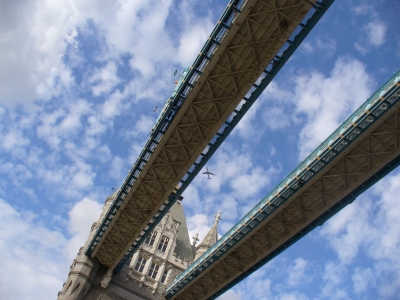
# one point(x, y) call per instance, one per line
point(120, 288)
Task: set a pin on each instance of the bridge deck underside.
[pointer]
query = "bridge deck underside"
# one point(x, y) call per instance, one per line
point(256, 35)
point(373, 150)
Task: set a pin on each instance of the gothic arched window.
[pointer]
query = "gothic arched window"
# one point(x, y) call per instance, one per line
point(153, 271)
point(140, 264)
point(151, 237)
point(163, 243)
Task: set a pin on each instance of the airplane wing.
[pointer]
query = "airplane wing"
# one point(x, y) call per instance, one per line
point(208, 173)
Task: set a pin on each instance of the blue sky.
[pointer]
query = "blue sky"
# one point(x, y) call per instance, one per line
point(78, 83)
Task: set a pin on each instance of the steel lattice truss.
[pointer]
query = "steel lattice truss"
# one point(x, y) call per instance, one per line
point(364, 149)
point(256, 34)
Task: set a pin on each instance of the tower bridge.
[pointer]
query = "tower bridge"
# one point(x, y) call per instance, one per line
point(248, 46)
point(251, 42)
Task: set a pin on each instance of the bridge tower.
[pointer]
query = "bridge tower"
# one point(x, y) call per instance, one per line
point(166, 252)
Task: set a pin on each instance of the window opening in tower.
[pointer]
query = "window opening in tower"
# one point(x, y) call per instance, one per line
point(163, 243)
point(140, 264)
point(150, 238)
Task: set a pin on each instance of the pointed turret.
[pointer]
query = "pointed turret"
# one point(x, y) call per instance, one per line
point(210, 239)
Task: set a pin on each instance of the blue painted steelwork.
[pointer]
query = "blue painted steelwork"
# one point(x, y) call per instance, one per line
point(358, 122)
point(175, 102)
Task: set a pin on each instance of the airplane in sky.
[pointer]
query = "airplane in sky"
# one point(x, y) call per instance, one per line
point(208, 173)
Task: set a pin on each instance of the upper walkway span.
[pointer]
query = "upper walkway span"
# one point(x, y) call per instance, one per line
point(250, 43)
point(361, 151)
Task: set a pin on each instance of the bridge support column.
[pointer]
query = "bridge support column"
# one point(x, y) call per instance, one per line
point(106, 278)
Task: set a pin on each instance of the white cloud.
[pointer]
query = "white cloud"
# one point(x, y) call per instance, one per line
point(297, 274)
point(326, 102)
point(198, 224)
point(105, 79)
point(361, 279)
point(193, 36)
point(373, 35)
point(231, 295)
point(326, 46)
point(257, 286)
point(371, 227)
point(322, 45)
point(14, 139)
point(112, 106)
point(72, 121)
point(376, 32)
point(272, 151)
point(143, 125)
point(36, 36)
point(321, 102)
point(31, 252)
point(32, 46)
point(275, 108)
point(228, 206)
point(276, 118)
point(81, 217)
point(118, 167)
point(307, 47)
point(333, 277)
point(225, 171)
point(292, 296)
point(39, 255)
point(246, 129)
point(70, 180)
point(17, 173)
point(256, 179)
point(348, 236)
point(362, 9)
point(46, 129)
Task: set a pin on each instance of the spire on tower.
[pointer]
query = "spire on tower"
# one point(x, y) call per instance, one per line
point(210, 239)
point(217, 217)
